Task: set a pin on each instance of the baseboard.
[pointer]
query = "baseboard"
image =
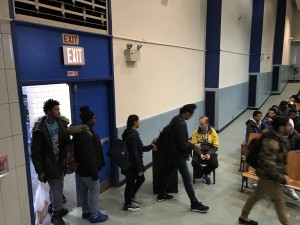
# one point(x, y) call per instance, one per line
point(104, 185)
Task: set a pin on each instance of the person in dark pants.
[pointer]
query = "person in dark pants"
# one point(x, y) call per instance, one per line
point(135, 174)
point(89, 155)
point(209, 140)
point(49, 138)
point(180, 149)
point(253, 124)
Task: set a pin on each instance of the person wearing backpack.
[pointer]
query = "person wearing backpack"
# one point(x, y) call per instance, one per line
point(49, 138)
point(135, 174)
point(89, 155)
point(271, 170)
point(180, 149)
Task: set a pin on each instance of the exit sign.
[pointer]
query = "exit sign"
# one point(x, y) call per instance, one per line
point(70, 39)
point(73, 56)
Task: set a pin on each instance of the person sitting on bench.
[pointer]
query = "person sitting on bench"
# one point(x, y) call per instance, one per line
point(209, 140)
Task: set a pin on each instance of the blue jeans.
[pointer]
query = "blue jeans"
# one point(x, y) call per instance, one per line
point(89, 195)
point(56, 192)
point(180, 164)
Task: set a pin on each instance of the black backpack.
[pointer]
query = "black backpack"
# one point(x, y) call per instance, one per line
point(69, 163)
point(118, 152)
point(254, 148)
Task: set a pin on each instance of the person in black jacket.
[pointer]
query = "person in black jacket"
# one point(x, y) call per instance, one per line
point(180, 149)
point(89, 156)
point(135, 174)
point(49, 138)
point(253, 124)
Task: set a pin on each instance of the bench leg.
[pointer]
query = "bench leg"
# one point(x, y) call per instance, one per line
point(243, 181)
point(214, 174)
point(194, 179)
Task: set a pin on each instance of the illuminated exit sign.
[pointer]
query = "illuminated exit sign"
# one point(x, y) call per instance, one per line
point(73, 56)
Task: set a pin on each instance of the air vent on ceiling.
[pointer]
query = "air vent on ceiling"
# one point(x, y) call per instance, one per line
point(78, 14)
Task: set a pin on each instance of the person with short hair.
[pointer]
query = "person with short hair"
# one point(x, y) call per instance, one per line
point(253, 124)
point(271, 171)
point(268, 119)
point(180, 149)
point(209, 140)
point(49, 139)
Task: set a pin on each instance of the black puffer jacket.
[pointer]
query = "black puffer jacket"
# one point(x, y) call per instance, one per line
point(135, 148)
point(42, 154)
point(293, 140)
point(180, 147)
point(88, 151)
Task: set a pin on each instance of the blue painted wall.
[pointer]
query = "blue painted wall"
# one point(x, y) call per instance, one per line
point(151, 127)
point(40, 54)
point(263, 88)
point(230, 102)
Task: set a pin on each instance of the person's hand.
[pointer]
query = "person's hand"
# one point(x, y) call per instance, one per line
point(287, 180)
point(197, 146)
point(207, 156)
point(42, 177)
point(270, 120)
point(154, 147)
point(140, 174)
point(202, 157)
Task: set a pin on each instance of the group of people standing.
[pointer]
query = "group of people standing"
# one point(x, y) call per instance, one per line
point(50, 136)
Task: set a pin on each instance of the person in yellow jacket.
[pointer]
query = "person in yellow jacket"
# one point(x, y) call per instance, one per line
point(208, 137)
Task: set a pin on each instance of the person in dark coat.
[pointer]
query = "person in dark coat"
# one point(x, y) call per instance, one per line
point(180, 150)
point(49, 138)
point(89, 156)
point(253, 124)
point(135, 174)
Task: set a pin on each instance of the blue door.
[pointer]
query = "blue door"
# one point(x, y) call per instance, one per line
point(96, 96)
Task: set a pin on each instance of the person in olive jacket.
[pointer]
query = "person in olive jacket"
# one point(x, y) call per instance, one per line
point(135, 174)
point(89, 156)
point(49, 138)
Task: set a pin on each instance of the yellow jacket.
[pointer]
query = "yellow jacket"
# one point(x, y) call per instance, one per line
point(209, 138)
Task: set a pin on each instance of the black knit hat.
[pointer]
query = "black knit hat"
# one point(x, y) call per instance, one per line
point(188, 108)
point(86, 114)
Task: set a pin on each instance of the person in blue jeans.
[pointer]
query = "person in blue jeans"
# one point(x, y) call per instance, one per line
point(89, 155)
point(180, 149)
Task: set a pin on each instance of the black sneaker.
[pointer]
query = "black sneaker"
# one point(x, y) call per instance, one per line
point(64, 199)
point(57, 220)
point(161, 198)
point(131, 207)
point(251, 222)
point(198, 207)
point(61, 212)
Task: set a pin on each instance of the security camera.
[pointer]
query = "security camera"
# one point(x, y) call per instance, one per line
point(129, 46)
point(139, 46)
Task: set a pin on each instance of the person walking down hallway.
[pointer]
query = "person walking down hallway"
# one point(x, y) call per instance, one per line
point(180, 149)
point(49, 138)
point(135, 174)
point(209, 140)
point(89, 156)
point(271, 171)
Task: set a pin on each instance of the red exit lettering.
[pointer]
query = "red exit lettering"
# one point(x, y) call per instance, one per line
point(70, 39)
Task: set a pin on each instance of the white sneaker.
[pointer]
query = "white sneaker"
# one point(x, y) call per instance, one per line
point(291, 192)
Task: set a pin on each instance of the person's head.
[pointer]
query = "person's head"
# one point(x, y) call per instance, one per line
point(51, 108)
point(187, 111)
point(64, 120)
point(283, 105)
point(271, 112)
point(275, 107)
point(257, 115)
point(133, 122)
point(292, 113)
point(281, 125)
point(203, 122)
point(87, 116)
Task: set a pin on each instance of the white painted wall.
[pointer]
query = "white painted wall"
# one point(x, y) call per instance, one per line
point(38, 94)
point(296, 25)
point(14, 202)
point(171, 71)
point(288, 33)
point(269, 22)
point(235, 42)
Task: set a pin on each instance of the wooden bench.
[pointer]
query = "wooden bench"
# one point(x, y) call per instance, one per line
point(292, 168)
point(297, 105)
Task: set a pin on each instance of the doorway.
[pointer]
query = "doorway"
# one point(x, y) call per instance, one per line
point(33, 99)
